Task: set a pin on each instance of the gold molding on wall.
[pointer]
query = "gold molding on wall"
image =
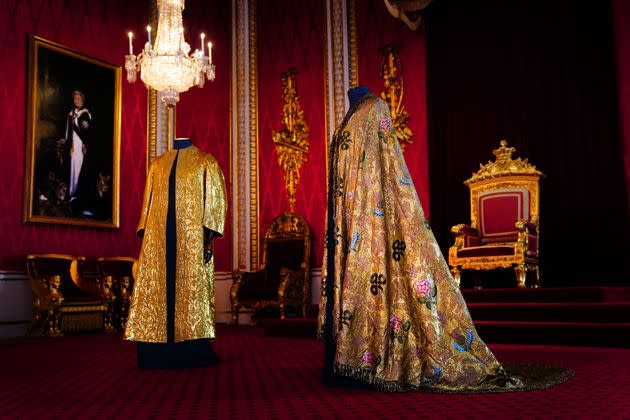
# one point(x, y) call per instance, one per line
point(253, 135)
point(244, 132)
point(152, 99)
point(353, 53)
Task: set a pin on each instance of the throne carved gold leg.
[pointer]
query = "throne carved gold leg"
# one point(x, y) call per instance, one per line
point(235, 313)
point(520, 271)
point(124, 314)
point(54, 313)
point(109, 317)
point(54, 321)
point(537, 281)
point(283, 310)
point(457, 275)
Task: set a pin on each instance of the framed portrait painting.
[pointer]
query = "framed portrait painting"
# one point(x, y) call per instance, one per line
point(73, 138)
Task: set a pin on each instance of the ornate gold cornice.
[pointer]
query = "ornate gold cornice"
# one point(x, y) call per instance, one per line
point(503, 165)
point(292, 139)
point(393, 94)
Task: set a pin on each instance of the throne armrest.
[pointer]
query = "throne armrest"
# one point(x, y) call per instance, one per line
point(247, 276)
point(525, 226)
point(527, 237)
point(463, 229)
point(89, 282)
point(291, 282)
point(240, 278)
point(465, 235)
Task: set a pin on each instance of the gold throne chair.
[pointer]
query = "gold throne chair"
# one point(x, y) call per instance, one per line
point(283, 278)
point(504, 210)
point(65, 300)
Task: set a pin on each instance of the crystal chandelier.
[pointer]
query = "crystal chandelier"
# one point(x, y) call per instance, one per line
point(167, 66)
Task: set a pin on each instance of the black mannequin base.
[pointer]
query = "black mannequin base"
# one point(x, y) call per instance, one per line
point(187, 354)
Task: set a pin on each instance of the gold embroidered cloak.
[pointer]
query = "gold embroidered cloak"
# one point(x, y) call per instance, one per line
point(200, 202)
point(399, 321)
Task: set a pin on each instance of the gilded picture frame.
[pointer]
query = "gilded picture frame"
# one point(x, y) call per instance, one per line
point(72, 164)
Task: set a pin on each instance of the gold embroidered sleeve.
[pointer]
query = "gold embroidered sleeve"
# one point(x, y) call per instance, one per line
point(215, 204)
point(146, 202)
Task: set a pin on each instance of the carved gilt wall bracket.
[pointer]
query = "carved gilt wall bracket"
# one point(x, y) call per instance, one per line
point(292, 139)
point(393, 94)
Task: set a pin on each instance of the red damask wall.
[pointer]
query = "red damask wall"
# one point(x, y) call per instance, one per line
point(204, 114)
point(376, 28)
point(292, 34)
point(97, 28)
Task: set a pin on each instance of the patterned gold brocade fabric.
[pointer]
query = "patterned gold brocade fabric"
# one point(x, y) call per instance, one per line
point(399, 320)
point(200, 200)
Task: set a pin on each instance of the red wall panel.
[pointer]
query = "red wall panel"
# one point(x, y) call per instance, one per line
point(376, 28)
point(97, 28)
point(292, 34)
point(204, 114)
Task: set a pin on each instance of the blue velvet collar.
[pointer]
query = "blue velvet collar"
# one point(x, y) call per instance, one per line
point(182, 143)
point(356, 93)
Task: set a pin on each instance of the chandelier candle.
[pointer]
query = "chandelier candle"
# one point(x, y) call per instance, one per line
point(149, 34)
point(130, 43)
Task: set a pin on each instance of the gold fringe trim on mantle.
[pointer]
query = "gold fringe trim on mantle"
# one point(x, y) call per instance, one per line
point(533, 377)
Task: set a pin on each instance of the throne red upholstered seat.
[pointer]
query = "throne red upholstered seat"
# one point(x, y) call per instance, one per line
point(503, 233)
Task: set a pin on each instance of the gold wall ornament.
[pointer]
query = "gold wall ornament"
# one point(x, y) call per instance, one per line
point(292, 139)
point(393, 94)
point(408, 11)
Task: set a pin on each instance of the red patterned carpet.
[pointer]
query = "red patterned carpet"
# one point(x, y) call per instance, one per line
point(94, 376)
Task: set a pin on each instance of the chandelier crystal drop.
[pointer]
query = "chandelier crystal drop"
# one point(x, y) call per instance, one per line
point(167, 66)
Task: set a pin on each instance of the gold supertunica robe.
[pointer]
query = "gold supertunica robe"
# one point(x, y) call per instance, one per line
point(399, 320)
point(200, 201)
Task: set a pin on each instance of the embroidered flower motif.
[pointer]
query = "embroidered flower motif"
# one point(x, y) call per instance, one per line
point(423, 287)
point(399, 329)
point(385, 124)
point(368, 357)
point(395, 323)
point(426, 291)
